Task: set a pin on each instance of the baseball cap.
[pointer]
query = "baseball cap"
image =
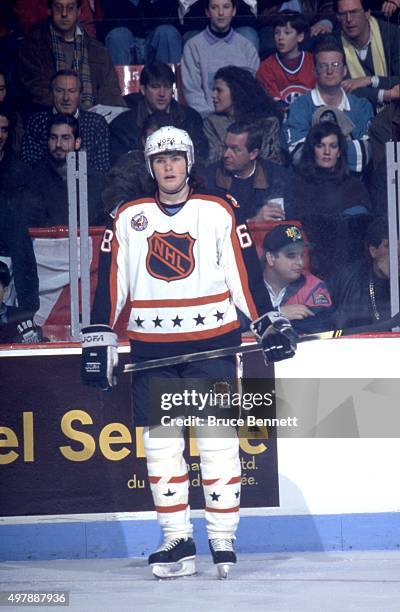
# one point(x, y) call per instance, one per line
point(282, 236)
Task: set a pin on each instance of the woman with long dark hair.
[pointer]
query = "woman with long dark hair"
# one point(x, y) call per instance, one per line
point(332, 204)
point(238, 96)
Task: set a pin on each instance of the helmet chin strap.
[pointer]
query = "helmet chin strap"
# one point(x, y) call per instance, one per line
point(185, 182)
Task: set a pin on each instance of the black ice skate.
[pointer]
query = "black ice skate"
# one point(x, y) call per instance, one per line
point(223, 555)
point(174, 558)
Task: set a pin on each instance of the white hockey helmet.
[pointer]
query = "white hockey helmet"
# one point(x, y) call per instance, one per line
point(169, 138)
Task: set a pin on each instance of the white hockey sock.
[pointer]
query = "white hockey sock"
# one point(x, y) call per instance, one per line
point(169, 483)
point(221, 475)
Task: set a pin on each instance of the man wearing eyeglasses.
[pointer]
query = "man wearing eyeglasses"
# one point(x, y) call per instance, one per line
point(330, 70)
point(372, 52)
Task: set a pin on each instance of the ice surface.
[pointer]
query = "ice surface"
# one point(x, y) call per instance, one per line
point(291, 582)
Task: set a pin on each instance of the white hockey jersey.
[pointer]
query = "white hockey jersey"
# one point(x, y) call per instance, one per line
point(183, 274)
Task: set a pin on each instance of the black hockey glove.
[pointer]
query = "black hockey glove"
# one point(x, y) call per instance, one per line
point(276, 336)
point(28, 332)
point(99, 357)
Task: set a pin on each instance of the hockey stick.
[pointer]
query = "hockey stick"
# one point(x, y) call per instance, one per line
point(255, 346)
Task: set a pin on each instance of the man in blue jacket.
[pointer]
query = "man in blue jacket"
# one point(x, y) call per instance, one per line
point(331, 69)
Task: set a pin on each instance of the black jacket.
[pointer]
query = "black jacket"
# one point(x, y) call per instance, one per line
point(351, 293)
point(15, 243)
point(14, 174)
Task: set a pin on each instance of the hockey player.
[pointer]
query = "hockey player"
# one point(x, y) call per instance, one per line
point(185, 263)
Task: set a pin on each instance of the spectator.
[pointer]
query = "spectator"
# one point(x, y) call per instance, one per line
point(299, 295)
point(331, 70)
point(46, 200)
point(332, 205)
point(62, 44)
point(319, 14)
point(14, 174)
point(156, 88)
point(289, 72)
point(385, 127)
point(7, 101)
point(32, 12)
point(14, 324)
point(372, 53)
point(192, 17)
point(66, 90)
point(136, 33)
point(128, 179)
point(5, 280)
point(260, 186)
point(361, 291)
point(238, 96)
point(215, 47)
point(9, 41)
point(5, 311)
point(16, 247)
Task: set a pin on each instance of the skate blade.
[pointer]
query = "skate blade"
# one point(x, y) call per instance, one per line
point(223, 570)
point(174, 570)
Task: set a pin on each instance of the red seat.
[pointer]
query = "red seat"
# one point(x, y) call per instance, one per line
point(128, 78)
point(180, 96)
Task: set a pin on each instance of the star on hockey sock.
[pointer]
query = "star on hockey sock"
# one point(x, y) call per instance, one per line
point(199, 320)
point(170, 493)
point(219, 315)
point(139, 322)
point(177, 321)
point(237, 494)
point(157, 322)
point(214, 496)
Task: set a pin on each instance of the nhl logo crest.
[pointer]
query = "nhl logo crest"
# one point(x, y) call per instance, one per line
point(170, 256)
point(139, 222)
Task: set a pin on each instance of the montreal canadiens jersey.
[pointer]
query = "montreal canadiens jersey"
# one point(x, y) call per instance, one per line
point(284, 84)
point(183, 275)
